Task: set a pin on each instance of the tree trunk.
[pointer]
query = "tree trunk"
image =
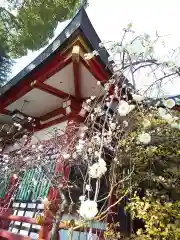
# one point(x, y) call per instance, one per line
point(55, 227)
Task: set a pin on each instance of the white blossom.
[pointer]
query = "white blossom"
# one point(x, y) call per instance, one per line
point(88, 187)
point(131, 107)
point(66, 156)
point(161, 111)
point(88, 209)
point(82, 198)
point(101, 45)
point(5, 156)
point(93, 97)
point(95, 53)
point(112, 125)
point(98, 169)
point(161, 178)
point(88, 101)
point(115, 69)
point(90, 150)
point(137, 97)
point(97, 109)
point(168, 117)
point(96, 153)
point(80, 145)
point(102, 162)
point(169, 103)
point(92, 116)
point(88, 56)
point(125, 123)
point(110, 58)
point(85, 106)
point(97, 139)
point(74, 155)
point(124, 108)
point(29, 119)
point(28, 158)
point(40, 148)
point(106, 87)
point(135, 48)
point(145, 138)
point(18, 125)
point(15, 176)
point(119, 49)
point(146, 123)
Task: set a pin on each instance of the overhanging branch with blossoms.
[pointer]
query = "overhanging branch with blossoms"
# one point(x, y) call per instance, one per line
point(124, 145)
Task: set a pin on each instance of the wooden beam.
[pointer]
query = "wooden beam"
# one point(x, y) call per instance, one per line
point(98, 68)
point(49, 89)
point(52, 114)
point(53, 68)
point(73, 115)
point(94, 72)
point(77, 82)
point(75, 105)
point(95, 63)
point(76, 70)
point(15, 94)
point(46, 70)
point(3, 110)
point(53, 122)
point(28, 84)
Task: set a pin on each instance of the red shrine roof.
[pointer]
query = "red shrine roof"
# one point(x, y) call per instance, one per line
point(60, 77)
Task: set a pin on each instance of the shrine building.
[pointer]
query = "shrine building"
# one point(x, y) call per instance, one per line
point(50, 90)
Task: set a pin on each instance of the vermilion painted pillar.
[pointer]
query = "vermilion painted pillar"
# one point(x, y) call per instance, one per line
point(62, 166)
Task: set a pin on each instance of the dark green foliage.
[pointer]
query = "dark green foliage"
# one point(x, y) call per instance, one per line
point(29, 24)
point(5, 62)
point(155, 174)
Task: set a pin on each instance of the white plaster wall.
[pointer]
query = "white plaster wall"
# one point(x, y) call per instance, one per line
point(48, 133)
point(42, 135)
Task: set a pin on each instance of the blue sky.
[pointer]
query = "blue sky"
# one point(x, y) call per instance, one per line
point(110, 16)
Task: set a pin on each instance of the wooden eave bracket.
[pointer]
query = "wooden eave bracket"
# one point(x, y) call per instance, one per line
point(76, 53)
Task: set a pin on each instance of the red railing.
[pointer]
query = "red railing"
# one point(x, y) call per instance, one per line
point(7, 215)
point(12, 236)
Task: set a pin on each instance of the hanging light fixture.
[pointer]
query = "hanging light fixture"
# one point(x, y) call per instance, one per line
point(19, 117)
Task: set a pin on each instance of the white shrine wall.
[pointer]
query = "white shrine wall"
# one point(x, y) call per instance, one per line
point(38, 136)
